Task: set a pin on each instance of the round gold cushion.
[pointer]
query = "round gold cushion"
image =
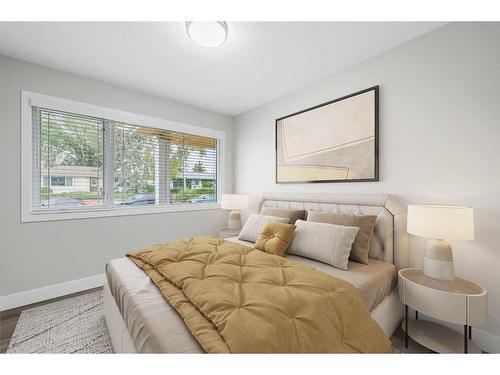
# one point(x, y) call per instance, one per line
point(275, 238)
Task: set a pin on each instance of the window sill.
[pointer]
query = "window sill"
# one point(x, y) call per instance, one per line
point(72, 214)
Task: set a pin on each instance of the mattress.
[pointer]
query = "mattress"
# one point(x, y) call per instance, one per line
point(156, 327)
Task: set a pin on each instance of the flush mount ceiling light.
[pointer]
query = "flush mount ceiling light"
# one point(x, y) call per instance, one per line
point(207, 34)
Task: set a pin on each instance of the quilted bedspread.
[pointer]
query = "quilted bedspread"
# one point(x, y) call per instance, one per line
point(235, 299)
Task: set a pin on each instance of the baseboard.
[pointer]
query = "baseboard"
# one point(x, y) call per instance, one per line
point(27, 297)
point(487, 341)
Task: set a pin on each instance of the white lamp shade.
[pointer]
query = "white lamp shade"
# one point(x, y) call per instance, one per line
point(441, 222)
point(234, 202)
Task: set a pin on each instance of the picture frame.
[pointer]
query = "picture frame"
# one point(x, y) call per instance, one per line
point(335, 141)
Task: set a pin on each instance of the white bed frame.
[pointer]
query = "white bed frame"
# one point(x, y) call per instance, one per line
point(390, 243)
point(120, 336)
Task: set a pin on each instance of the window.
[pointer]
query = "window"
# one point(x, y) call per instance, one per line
point(57, 181)
point(91, 161)
point(69, 148)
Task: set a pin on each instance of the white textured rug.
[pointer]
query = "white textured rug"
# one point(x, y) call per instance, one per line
point(73, 325)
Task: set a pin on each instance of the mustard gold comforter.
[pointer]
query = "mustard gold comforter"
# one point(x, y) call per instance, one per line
point(235, 299)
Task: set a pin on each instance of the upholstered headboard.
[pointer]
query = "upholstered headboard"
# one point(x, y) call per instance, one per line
point(390, 239)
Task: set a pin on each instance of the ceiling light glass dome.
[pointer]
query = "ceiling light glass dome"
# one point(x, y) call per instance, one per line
point(207, 34)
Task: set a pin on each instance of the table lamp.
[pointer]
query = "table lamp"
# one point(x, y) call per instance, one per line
point(440, 224)
point(235, 203)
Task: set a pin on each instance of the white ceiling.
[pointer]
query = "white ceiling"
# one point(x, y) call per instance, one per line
point(259, 62)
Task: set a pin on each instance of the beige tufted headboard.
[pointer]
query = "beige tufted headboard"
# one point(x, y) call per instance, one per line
point(390, 239)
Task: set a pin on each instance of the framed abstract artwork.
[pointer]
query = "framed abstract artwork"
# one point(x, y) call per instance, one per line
point(335, 141)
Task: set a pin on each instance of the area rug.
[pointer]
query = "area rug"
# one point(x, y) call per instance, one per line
point(73, 325)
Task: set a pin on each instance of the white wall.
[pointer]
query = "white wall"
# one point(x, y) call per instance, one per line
point(34, 255)
point(439, 138)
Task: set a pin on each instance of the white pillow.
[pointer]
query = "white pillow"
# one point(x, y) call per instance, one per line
point(328, 243)
point(255, 224)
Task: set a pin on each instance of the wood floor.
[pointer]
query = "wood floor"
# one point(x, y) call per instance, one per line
point(9, 318)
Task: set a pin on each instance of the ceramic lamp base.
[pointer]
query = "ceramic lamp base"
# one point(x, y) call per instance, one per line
point(438, 260)
point(234, 222)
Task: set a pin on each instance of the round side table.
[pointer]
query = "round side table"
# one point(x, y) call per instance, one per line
point(459, 301)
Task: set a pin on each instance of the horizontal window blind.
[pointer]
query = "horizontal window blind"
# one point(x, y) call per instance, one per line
point(83, 162)
point(67, 154)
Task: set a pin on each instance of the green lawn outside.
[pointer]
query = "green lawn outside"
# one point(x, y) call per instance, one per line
point(177, 195)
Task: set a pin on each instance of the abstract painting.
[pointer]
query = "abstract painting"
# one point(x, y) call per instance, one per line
point(335, 141)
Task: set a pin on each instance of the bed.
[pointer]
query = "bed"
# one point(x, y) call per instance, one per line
point(139, 318)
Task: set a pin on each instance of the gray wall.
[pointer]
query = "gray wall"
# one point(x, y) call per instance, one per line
point(439, 138)
point(34, 255)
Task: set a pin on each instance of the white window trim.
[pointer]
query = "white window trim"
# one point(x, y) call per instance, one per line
point(29, 99)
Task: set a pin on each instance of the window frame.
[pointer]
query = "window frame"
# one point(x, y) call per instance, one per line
point(51, 184)
point(29, 99)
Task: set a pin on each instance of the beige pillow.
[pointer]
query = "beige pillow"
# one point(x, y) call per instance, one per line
point(255, 224)
point(275, 238)
point(293, 215)
point(328, 243)
point(361, 245)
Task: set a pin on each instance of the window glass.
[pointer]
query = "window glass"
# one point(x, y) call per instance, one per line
point(70, 154)
point(143, 166)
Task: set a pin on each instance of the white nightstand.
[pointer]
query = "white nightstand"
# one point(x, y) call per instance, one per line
point(459, 301)
point(226, 232)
